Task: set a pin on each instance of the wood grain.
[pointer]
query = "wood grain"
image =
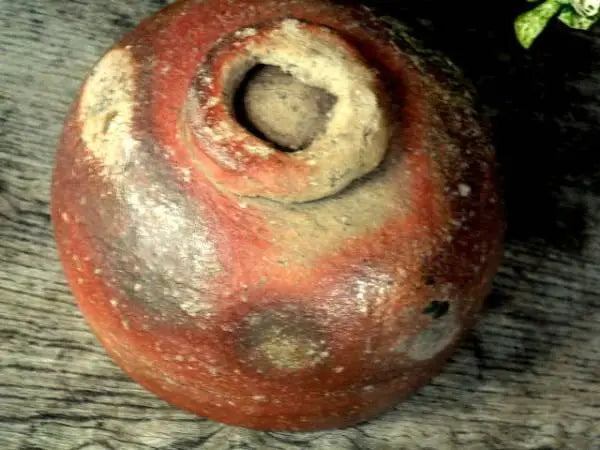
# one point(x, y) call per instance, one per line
point(527, 378)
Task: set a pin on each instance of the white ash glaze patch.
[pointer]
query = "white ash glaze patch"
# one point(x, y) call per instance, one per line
point(106, 110)
point(371, 290)
point(433, 339)
point(179, 258)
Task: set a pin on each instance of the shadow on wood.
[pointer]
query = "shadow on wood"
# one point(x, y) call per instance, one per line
point(537, 114)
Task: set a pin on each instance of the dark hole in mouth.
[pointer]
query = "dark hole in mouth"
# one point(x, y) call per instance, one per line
point(280, 109)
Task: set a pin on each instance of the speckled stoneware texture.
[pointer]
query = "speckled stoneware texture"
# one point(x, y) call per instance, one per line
point(276, 288)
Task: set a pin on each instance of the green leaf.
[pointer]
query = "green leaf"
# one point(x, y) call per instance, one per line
point(571, 18)
point(529, 25)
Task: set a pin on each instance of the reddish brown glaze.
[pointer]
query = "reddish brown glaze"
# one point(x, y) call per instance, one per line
point(226, 279)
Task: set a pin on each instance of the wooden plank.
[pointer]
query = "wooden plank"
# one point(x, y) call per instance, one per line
point(528, 376)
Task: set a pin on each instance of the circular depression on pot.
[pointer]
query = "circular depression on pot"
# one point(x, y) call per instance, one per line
point(283, 339)
point(280, 109)
point(294, 95)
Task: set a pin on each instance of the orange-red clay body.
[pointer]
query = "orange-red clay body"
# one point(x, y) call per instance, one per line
point(266, 288)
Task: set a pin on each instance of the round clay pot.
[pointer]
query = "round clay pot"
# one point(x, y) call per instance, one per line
point(278, 214)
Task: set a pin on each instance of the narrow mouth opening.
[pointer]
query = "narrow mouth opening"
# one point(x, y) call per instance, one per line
point(278, 108)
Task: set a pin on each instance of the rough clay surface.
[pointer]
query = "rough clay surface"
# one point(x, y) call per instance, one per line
point(285, 110)
point(527, 378)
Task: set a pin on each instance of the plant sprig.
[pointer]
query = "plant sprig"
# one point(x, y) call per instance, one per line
point(578, 14)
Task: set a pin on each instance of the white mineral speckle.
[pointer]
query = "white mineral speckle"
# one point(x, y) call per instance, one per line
point(187, 174)
point(464, 190)
point(212, 101)
point(246, 32)
point(260, 150)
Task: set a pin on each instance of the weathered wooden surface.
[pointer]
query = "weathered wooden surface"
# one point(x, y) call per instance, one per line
point(527, 378)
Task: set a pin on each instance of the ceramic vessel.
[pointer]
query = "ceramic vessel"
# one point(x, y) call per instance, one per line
point(278, 214)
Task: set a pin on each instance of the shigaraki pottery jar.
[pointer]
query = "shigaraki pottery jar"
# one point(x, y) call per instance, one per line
point(278, 214)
